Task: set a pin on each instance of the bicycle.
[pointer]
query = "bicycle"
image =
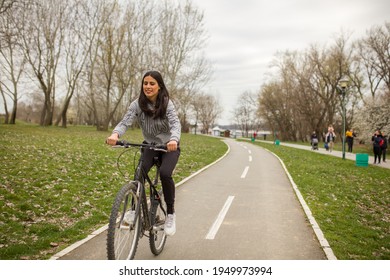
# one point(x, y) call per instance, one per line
point(132, 215)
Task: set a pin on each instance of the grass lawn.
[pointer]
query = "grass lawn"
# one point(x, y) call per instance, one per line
point(351, 204)
point(57, 185)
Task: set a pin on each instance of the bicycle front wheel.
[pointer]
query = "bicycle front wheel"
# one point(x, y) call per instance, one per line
point(157, 236)
point(124, 225)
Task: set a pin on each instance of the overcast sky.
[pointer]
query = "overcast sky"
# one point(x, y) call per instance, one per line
point(244, 36)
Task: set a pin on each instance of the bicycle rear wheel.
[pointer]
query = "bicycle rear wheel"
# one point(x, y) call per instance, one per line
point(122, 236)
point(157, 236)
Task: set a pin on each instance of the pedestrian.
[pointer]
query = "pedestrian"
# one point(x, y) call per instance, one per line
point(384, 146)
point(159, 122)
point(314, 141)
point(330, 138)
point(350, 135)
point(377, 142)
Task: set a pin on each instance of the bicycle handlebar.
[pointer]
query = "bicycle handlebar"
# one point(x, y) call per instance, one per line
point(126, 144)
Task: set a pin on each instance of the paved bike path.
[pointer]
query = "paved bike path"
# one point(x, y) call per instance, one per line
point(335, 153)
point(243, 207)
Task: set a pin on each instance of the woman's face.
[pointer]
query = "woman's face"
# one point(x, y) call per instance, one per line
point(151, 88)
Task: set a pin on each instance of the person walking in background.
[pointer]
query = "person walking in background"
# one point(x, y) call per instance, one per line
point(314, 141)
point(384, 146)
point(377, 142)
point(350, 135)
point(330, 138)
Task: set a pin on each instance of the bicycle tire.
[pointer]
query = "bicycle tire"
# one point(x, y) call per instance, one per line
point(157, 236)
point(122, 239)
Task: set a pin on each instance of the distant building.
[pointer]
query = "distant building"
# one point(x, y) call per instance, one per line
point(216, 131)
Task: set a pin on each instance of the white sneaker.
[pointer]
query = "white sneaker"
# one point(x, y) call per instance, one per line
point(129, 217)
point(170, 224)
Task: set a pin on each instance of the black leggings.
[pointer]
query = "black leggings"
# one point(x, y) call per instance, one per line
point(350, 144)
point(168, 164)
point(377, 154)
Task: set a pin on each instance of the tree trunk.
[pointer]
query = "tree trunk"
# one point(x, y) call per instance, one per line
point(62, 116)
point(5, 109)
point(13, 114)
point(47, 113)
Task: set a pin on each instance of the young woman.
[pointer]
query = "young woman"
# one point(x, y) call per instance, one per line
point(160, 124)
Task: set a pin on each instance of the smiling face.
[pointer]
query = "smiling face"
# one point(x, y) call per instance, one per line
point(151, 88)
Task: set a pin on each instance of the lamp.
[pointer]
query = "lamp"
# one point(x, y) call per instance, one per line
point(344, 82)
point(343, 86)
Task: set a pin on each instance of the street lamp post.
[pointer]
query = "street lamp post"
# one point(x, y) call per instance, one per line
point(343, 86)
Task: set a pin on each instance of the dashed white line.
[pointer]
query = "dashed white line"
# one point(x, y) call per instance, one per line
point(243, 175)
point(250, 158)
point(216, 225)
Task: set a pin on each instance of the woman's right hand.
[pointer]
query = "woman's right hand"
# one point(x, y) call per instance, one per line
point(112, 139)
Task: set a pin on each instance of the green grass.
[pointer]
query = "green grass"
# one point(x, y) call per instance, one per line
point(57, 185)
point(351, 204)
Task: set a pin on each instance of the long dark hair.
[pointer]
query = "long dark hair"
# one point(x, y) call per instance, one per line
point(160, 108)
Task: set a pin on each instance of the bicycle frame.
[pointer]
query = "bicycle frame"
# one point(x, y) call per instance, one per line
point(140, 177)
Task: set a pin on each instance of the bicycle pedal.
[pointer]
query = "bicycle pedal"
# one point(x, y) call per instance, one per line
point(126, 227)
point(158, 227)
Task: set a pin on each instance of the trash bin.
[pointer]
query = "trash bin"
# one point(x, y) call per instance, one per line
point(253, 139)
point(277, 142)
point(361, 159)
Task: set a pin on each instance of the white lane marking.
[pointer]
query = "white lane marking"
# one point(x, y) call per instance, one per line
point(250, 158)
point(243, 175)
point(217, 223)
point(249, 151)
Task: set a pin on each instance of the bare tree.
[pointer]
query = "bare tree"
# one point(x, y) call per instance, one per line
point(118, 58)
point(6, 5)
point(191, 83)
point(179, 43)
point(11, 62)
point(103, 62)
point(42, 37)
point(304, 94)
point(275, 109)
point(207, 109)
point(245, 112)
point(96, 17)
point(77, 47)
point(375, 57)
point(139, 31)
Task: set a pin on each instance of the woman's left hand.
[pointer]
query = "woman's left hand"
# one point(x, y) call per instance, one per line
point(172, 146)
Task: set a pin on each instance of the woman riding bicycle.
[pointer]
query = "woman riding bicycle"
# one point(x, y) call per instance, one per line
point(160, 124)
